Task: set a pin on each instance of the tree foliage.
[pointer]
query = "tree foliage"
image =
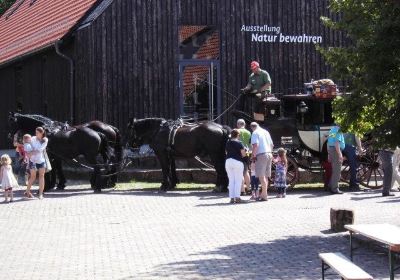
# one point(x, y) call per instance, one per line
point(371, 65)
point(4, 5)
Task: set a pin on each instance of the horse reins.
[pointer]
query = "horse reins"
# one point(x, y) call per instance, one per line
point(123, 164)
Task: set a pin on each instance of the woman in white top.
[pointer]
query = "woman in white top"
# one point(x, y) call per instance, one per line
point(37, 162)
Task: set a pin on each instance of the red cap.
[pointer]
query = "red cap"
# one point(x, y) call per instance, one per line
point(254, 64)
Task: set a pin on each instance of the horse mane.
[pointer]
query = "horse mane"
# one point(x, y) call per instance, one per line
point(38, 118)
point(41, 120)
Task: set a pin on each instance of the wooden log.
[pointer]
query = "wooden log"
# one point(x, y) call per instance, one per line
point(340, 218)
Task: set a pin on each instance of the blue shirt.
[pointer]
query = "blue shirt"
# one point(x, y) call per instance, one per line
point(262, 137)
point(336, 136)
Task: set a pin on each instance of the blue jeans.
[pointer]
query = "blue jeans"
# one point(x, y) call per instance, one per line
point(19, 167)
point(36, 166)
point(254, 182)
point(281, 190)
point(350, 153)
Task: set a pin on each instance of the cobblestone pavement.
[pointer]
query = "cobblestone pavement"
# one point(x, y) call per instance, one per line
point(76, 234)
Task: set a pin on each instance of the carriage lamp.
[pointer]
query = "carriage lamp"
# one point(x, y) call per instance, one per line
point(302, 109)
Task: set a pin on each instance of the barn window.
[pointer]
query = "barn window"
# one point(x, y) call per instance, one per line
point(198, 42)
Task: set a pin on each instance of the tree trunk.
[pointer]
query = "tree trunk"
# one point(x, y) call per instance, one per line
point(340, 218)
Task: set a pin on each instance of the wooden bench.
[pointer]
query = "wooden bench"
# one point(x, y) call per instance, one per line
point(342, 266)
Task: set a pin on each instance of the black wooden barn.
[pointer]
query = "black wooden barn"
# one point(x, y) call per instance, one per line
point(112, 59)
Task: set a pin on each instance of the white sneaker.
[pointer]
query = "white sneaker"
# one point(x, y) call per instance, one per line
point(41, 196)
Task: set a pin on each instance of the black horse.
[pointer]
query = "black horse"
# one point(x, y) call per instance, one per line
point(64, 144)
point(170, 140)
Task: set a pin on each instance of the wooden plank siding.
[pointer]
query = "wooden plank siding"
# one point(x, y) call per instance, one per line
point(126, 61)
point(40, 83)
point(129, 58)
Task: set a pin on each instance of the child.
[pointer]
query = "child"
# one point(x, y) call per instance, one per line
point(27, 139)
point(281, 164)
point(20, 166)
point(254, 182)
point(27, 147)
point(8, 181)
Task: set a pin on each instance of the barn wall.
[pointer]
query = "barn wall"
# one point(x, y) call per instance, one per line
point(126, 63)
point(127, 60)
point(40, 83)
point(7, 93)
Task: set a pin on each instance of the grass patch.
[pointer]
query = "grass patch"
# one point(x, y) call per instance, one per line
point(146, 186)
point(137, 185)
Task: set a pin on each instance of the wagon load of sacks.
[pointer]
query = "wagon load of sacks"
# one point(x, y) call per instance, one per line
point(324, 88)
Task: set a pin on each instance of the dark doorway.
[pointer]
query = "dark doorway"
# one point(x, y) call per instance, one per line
point(199, 72)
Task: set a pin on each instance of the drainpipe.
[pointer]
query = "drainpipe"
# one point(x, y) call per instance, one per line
point(71, 79)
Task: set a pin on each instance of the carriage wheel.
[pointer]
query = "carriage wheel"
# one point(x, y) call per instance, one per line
point(369, 171)
point(292, 176)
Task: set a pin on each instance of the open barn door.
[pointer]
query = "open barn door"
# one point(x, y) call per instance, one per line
point(200, 90)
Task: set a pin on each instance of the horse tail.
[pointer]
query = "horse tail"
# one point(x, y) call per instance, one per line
point(118, 144)
point(104, 145)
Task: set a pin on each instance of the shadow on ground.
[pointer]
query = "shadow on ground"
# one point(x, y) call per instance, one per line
point(290, 257)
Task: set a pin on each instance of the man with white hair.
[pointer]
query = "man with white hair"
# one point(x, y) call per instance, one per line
point(244, 137)
point(262, 147)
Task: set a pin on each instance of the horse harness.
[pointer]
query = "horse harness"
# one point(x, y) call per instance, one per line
point(172, 126)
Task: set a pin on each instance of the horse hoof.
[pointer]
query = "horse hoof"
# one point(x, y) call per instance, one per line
point(219, 189)
point(162, 189)
point(111, 185)
point(47, 189)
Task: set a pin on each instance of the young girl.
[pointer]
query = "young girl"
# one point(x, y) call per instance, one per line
point(281, 164)
point(254, 182)
point(8, 181)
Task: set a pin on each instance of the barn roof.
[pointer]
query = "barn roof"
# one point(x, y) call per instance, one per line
point(31, 25)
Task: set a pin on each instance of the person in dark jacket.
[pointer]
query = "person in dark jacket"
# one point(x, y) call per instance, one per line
point(235, 152)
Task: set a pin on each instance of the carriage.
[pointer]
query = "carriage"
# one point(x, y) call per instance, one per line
point(300, 123)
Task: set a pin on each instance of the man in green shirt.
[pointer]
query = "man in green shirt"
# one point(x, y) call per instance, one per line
point(244, 137)
point(259, 85)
